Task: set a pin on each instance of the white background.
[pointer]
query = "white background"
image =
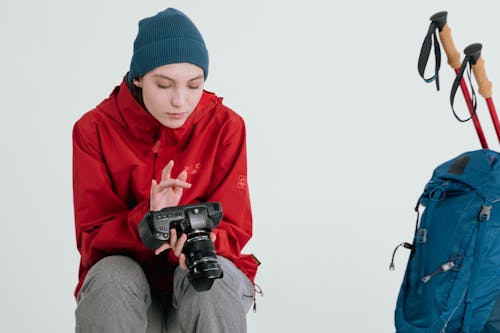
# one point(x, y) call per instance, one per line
point(342, 136)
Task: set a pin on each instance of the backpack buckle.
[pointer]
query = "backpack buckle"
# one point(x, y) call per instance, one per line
point(484, 214)
point(421, 235)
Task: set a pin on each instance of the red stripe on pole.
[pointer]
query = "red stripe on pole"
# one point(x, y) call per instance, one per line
point(494, 117)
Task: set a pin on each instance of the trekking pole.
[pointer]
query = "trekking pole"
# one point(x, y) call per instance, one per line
point(439, 21)
point(484, 85)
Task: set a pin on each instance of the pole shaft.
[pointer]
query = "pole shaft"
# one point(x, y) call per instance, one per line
point(475, 120)
point(494, 117)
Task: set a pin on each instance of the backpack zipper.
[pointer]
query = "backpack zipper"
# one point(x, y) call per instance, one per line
point(443, 330)
point(452, 264)
point(436, 194)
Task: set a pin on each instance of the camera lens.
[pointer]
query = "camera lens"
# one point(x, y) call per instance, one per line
point(201, 260)
point(196, 221)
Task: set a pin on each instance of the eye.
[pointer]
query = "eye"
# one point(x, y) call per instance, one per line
point(161, 86)
point(195, 84)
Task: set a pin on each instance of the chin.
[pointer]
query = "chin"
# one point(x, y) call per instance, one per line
point(173, 124)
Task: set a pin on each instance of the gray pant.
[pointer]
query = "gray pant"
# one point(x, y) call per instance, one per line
point(115, 297)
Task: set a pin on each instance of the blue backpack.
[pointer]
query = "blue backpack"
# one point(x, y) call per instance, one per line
point(452, 279)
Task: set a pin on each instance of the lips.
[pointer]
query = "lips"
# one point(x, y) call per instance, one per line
point(176, 115)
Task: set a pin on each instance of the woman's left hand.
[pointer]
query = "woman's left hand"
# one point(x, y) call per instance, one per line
point(168, 192)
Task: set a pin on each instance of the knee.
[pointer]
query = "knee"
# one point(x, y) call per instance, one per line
point(232, 290)
point(114, 297)
point(223, 308)
point(116, 273)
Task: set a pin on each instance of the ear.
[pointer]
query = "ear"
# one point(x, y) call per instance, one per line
point(137, 82)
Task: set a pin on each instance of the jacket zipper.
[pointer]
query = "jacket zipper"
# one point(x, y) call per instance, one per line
point(155, 149)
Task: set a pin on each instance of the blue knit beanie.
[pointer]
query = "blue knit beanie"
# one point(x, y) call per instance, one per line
point(166, 38)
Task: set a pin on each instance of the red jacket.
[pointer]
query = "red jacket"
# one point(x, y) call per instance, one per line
point(118, 148)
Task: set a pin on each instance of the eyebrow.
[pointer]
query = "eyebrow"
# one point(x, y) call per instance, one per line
point(168, 78)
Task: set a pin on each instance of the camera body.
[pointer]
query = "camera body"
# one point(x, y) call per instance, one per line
point(196, 221)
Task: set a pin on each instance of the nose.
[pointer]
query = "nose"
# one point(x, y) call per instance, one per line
point(177, 99)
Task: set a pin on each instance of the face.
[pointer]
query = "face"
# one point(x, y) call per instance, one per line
point(171, 92)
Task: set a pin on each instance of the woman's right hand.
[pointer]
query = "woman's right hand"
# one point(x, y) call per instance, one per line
point(168, 192)
point(177, 244)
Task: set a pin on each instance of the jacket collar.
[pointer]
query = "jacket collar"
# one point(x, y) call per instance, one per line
point(141, 123)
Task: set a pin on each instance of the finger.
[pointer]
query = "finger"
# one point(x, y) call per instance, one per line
point(182, 261)
point(179, 245)
point(152, 194)
point(165, 174)
point(172, 183)
point(183, 175)
point(173, 238)
point(213, 237)
point(162, 248)
point(153, 185)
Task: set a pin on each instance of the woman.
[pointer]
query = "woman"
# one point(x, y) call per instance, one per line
point(158, 141)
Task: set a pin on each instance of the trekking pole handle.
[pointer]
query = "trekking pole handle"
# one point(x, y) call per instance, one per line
point(484, 84)
point(445, 36)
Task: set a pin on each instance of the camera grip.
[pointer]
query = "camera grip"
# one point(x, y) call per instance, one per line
point(145, 228)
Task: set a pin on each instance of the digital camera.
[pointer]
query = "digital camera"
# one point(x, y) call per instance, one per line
point(196, 221)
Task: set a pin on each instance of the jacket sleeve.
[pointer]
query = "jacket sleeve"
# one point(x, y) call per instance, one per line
point(229, 186)
point(104, 224)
